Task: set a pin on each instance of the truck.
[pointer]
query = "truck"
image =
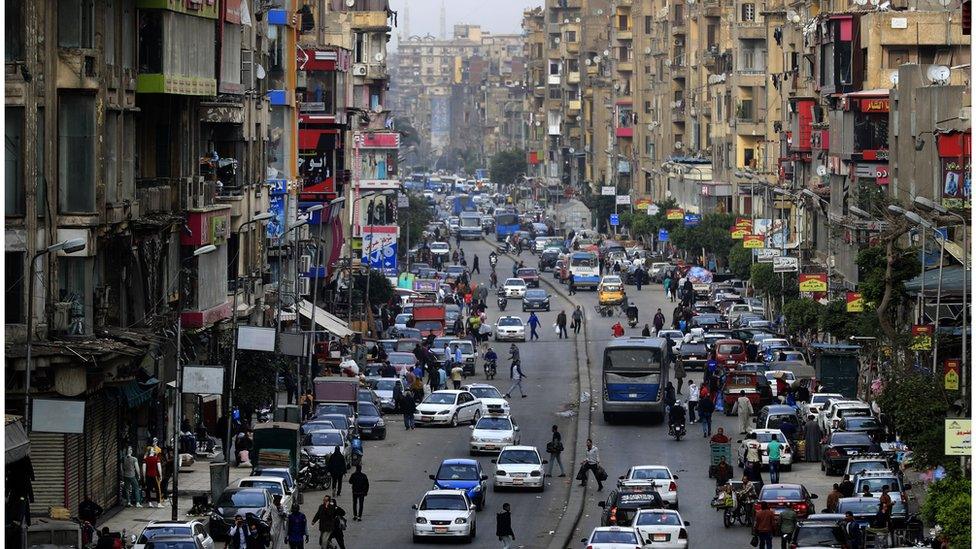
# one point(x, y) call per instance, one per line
point(462, 203)
point(470, 226)
point(278, 444)
point(837, 368)
point(429, 318)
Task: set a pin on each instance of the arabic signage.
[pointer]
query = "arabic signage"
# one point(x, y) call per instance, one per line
point(952, 367)
point(875, 105)
point(653, 209)
point(692, 220)
point(812, 283)
point(676, 214)
point(737, 233)
point(608, 191)
point(642, 203)
point(785, 264)
point(380, 246)
point(377, 140)
point(767, 255)
point(958, 437)
point(753, 241)
point(623, 199)
point(855, 302)
point(922, 337)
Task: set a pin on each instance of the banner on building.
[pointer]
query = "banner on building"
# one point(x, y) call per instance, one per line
point(642, 203)
point(277, 205)
point(608, 191)
point(855, 302)
point(951, 377)
point(738, 233)
point(958, 437)
point(776, 231)
point(255, 338)
point(50, 415)
point(922, 337)
point(753, 241)
point(676, 214)
point(379, 246)
point(955, 152)
point(813, 282)
point(200, 379)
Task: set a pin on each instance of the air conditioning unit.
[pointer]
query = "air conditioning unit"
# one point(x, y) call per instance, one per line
point(305, 263)
point(304, 285)
point(359, 69)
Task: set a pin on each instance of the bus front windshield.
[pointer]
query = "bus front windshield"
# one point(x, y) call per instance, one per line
point(632, 360)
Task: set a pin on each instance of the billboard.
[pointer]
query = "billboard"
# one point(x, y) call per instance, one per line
point(776, 231)
point(380, 246)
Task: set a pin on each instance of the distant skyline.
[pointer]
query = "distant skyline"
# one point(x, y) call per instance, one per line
point(496, 16)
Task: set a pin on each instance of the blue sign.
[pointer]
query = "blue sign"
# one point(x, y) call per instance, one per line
point(662, 235)
point(380, 248)
point(692, 220)
point(277, 202)
point(614, 220)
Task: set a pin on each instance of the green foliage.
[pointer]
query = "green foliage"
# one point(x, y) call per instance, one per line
point(802, 316)
point(762, 277)
point(871, 263)
point(778, 286)
point(712, 235)
point(256, 372)
point(506, 166)
point(947, 503)
point(412, 220)
point(916, 405)
point(740, 262)
point(600, 206)
point(380, 289)
point(836, 321)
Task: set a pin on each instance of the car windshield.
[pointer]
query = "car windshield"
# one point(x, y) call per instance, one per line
point(457, 471)
point(323, 409)
point(781, 494)
point(440, 398)
point(515, 282)
point(647, 474)
point(427, 325)
point(318, 426)
point(172, 544)
point(848, 412)
point(439, 246)
point(861, 423)
point(872, 465)
point(402, 318)
point(467, 348)
point(455, 269)
point(153, 531)
point(283, 475)
point(340, 421)
point(850, 438)
point(820, 399)
point(443, 502)
point(527, 457)
point(401, 358)
point(323, 439)
point(485, 392)
point(385, 384)
point(859, 506)
point(243, 498)
point(774, 422)
point(368, 409)
point(611, 536)
point(510, 321)
point(494, 424)
point(693, 349)
point(819, 535)
point(535, 294)
point(529, 272)
point(766, 437)
point(730, 349)
point(273, 487)
point(654, 518)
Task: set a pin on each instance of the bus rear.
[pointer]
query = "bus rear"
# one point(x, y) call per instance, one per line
point(506, 223)
point(585, 269)
point(634, 371)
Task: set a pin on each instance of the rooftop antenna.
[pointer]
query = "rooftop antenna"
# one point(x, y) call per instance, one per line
point(443, 21)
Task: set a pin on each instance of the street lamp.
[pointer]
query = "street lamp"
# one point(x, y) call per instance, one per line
point(177, 408)
point(69, 247)
point(233, 350)
point(315, 286)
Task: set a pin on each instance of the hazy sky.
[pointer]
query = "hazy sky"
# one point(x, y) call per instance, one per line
point(497, 16)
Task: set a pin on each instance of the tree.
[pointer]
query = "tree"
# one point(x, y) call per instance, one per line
point(916, 404)
point(883, 271)
point(802, 317)
point(711, 235)
point(413, 220)
point(836, 321)
point(778, 286)
point(947, 503)
point(507, 166)
point(740, 262)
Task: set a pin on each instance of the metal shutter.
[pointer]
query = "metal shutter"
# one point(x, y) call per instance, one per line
point(101, 454)
point(47, 456)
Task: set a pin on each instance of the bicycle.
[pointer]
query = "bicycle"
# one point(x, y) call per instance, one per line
point(742, 512)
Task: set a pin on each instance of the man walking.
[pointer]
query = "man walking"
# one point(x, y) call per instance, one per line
point(577, 320)
point(572, 284)
point(325, 516)
point(679, 374)
point(555, 449)
point(360, 487)
point(743, 406)
point(591, 463)
point(658, 320)
point(408, 406)
point(297, 532)
point(787, 523)
point(337, 468)
point(774, 448)
point(517, 377)
point(474, 268)
point(667, 288)
point(533, 326)
point(692, 399)
point(503, 526)
point(705, 408)
point(561, 324)
point(764, 525)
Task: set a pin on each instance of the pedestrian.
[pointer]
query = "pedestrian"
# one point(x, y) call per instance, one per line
point(408, 406)
point(591, 463)
point(442, 377)
point(561, 324)
point(152, 472)
point(753, 458)
point(811, 439)
point(130, 479)
point(337, 468)
point(743, 406)
point(517, 378)
point(555, 450)
point(325, 516)
point(577, 320)
point(787, 524)
point(658, 320)
point(239, 536)
point(457, 374)
point(853, 531)
point(307, 401)
point(360, 488)
point(503, 526)
point(833, 498)
point(646, 332)
point(338, 526)
point(617, 330)
point(667, 288)
point(705, 409)
point(692, 400)
point(764, 525)
point(884, 512)
point(474, 269)
point(513, 355)
point(669, 397)
point(572, 284)
point(533, 326)
point(774, 449)
point(723, 472)
point(297, 531)
point(243, 443)
point(846, 487)
point(679, 374)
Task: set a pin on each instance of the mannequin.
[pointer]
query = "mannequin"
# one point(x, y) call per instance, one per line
point(130, 477)
point(152, 471)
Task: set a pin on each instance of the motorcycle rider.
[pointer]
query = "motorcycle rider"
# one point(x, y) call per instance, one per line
point(676, 417)
point(491, 360)
point(493, 259)
point(632, 313)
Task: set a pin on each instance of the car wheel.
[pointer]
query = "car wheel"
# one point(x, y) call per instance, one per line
point(454, 420)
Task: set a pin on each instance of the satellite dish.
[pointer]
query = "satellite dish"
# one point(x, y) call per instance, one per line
point(875, 2)
point(893, 78)
point(379, 56)
point(616, 85)
point(821, 170)
point(790, 14)
point(260, 73)
point(647, 51)
point(565, 21)
point(571, 150)
point(796, 18)
point(577, 19)
point(596, 58)
point(599, 11)
point(938, 74)
point(588, 62)
point(650, 127)
point(606, 53)
point(556, 40)
point(678, 145)
point(350, 3)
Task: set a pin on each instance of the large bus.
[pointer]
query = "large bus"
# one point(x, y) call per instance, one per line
point(635, 370)
point(506, 223)
point(585, 268)
point(470, 226)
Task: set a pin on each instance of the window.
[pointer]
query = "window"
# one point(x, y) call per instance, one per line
point(13, 271)
point(897, 57)
point(76, 23)
point(109, 32)
point(752, 56)
point(128, 43)
point(76, 153)
point(74, 277)
point(571, 36)
point(230, 60)
point(360, 48)
point(648, 24)
point(748, 12)
point(14, 194)
point(555, 92)
point(14, 28)
point(111, 165)
point(554, 68)
point(648, 183)
point(649, 150)
point(623, 22)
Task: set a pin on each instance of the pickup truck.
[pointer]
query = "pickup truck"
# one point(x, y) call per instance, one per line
point(276, 444)
point(337, 390)
point(429, 318)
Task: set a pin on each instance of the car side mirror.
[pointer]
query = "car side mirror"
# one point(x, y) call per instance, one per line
point(675, 477)
point(414, 506)
point(601, 504)
point(471, 507)
point(583, 540)
point(471, 427)
point(621, 477)
point(484, 477)
point(739, 441)
point(516, 427)
point(431, 477)
point(814, 496)
point(907, 486)
point(545, 461)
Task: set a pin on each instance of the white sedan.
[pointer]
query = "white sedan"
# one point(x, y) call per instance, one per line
point(449, 408)
point(440, 248)
point(763, 436)
point(444, 513)
point(510, 328)
point(662, 528)
point(491, 434)
point(519, 467)
point(514, 287)
point(657, 476)
point(613, 537)
point(492, 401)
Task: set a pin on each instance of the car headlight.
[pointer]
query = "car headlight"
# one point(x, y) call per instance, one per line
point(443, 412)
point(535, 473)
point(381, 423)
point(460, 520)
point(421, 520)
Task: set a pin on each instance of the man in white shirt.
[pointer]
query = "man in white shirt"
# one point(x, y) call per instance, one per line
point(692, 400)
point(591, 463)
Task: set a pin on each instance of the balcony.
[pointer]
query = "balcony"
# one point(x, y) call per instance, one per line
point(678, 27)
point(553, 28)
point(749, 30)
point(572, 47)
point(155, 195)
point(574, 105)
point(749, 127)
point(625, 34)
point(573, 77)
point(627, 132)
point(625, 66)
point(369, 20)
point(678, 116)
point(377, 71)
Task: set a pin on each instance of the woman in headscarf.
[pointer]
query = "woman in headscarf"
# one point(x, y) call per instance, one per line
point(811, 439)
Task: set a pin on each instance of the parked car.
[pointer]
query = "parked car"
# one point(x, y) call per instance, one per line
point(279, 491)
point(841, 446)
point(370, 421)
point(168, 528)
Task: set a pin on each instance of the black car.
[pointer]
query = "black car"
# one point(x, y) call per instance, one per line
point(623, 503)
point(861, 424)
point(864, 509)
point(841, 446)
point(707, 321)
point(693, 355)
point(535, 300)
point(241, 501)
point(548, 259)
point(818, 533)
point(367, 395)
point(370, 421)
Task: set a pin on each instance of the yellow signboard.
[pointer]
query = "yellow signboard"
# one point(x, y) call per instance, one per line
point(676, 214)
point(855, 302)
point(753, 241)
point(813, 283)
point(952, 374)
point(738, 233)
point(958, 437)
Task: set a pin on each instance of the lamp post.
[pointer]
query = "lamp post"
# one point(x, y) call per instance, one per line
point(177, 408)
point(233, 350)
point(315, 286)
point(67, 246)
point(300, 223)
point(830, 259)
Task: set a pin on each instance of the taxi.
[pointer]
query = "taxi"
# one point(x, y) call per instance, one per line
point(611, 290)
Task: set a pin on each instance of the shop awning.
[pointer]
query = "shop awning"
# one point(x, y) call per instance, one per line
point(134, 393)
point(15, 437)
point(952, 282)
point(324, 319)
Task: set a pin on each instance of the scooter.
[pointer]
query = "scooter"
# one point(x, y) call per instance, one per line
point(632, 321)
point(491, 367)
point(502, 303)
point(677, 431)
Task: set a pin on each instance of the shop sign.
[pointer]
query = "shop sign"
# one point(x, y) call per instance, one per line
point(767, 255)
point(737, 233)
point(676, 214)
point(785, 264)
point(855, 302)
point(958, 437)
point(623, 199)
point(952, 368)
point(813, 283)
point(608, 191)
point(922, 337)
point(956, 183)
point(753, 241)
point(875, 105)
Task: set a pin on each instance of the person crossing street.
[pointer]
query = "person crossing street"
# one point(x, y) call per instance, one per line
point(561, 325)
point(577, 320)
point(534, 326)
point(517, 378)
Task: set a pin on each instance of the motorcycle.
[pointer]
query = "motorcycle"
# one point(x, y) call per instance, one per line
point(357, 450)
point(677, 431)
point(264, 414)
point(491, 367)
point(502, 303)
point(632, 321)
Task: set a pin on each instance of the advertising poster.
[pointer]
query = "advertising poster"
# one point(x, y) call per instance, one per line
point(855, 302)
point(776, 231)
point(952, 367)
point(676, 214)
point(812, 283)
point(380, 246)
point(958, 437)
point(753, 241)
point(956, 183)
point(922, 337)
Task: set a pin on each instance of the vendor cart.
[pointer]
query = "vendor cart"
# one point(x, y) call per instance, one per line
point(718, 451)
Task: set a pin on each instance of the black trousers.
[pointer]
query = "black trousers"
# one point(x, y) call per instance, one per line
point(338, 536)
point(357, 504)
point(337, 484)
